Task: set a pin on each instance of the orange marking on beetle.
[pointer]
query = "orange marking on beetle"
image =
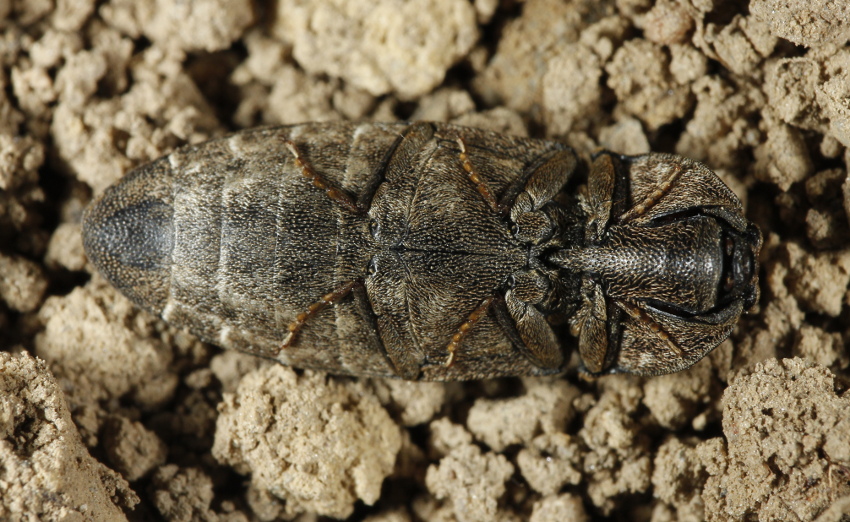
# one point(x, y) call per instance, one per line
point(319, 181)
point(301, 319)
point(464, 329)
point(480, 185)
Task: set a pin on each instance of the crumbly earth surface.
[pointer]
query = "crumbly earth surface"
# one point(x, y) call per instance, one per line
point(107, 412)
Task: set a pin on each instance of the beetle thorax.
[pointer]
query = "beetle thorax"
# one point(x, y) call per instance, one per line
point(678, 264)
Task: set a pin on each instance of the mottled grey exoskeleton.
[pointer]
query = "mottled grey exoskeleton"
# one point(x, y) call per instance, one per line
point(430, 251)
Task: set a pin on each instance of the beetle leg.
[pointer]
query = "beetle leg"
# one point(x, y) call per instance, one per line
point(548, 176)
point(590, 326)
point(320, 182)
point(639, 315)
point(480, 185)
point(600, 195)
point(652, 198)
point(538, 342)
point(327, 299)
point(464, 329)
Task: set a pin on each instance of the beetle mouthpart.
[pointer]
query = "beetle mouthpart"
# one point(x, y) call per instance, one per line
point(741, 266)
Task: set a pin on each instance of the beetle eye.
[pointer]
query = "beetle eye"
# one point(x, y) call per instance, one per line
point(729, 283)
point(373, 266)
point(511, 281)
point(374, 227)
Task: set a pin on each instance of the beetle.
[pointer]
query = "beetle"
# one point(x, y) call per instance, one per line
point(429, 251)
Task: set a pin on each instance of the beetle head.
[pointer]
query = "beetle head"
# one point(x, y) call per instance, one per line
point(668, 266)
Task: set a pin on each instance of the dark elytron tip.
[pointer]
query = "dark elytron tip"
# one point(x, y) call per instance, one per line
point(128, 234)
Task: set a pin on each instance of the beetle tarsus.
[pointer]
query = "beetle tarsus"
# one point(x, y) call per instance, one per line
point(464, 329)
point(653, 198)
point(639, 315)
point(480, 184)
point(312, 310)
point(320, 181)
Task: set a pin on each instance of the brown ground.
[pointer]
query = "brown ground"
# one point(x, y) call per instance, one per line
point(120, 414)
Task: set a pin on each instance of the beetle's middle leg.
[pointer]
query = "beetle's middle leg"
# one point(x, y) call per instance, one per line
point(541, 183)
point(480, 185)
point(524, 202)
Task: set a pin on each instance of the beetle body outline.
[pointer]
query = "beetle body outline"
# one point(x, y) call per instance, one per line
point(233, 241)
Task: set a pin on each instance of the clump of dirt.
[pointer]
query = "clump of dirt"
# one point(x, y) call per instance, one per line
point(123, 416)
point(47, 471)
point(316, 444)
point(786, 444)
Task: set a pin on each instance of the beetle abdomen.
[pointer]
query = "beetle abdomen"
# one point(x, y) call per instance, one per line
point(228, 240)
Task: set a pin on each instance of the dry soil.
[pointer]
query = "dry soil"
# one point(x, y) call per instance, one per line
point(106, 412)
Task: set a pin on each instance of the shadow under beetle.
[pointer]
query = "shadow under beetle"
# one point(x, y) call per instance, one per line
point(430, 251)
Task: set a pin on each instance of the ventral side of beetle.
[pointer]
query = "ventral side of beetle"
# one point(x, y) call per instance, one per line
point(428, 251)
point(669, 264)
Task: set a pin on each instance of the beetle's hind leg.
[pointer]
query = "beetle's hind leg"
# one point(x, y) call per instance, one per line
point(334, 297)
point(320, 181)
point(406, 368)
